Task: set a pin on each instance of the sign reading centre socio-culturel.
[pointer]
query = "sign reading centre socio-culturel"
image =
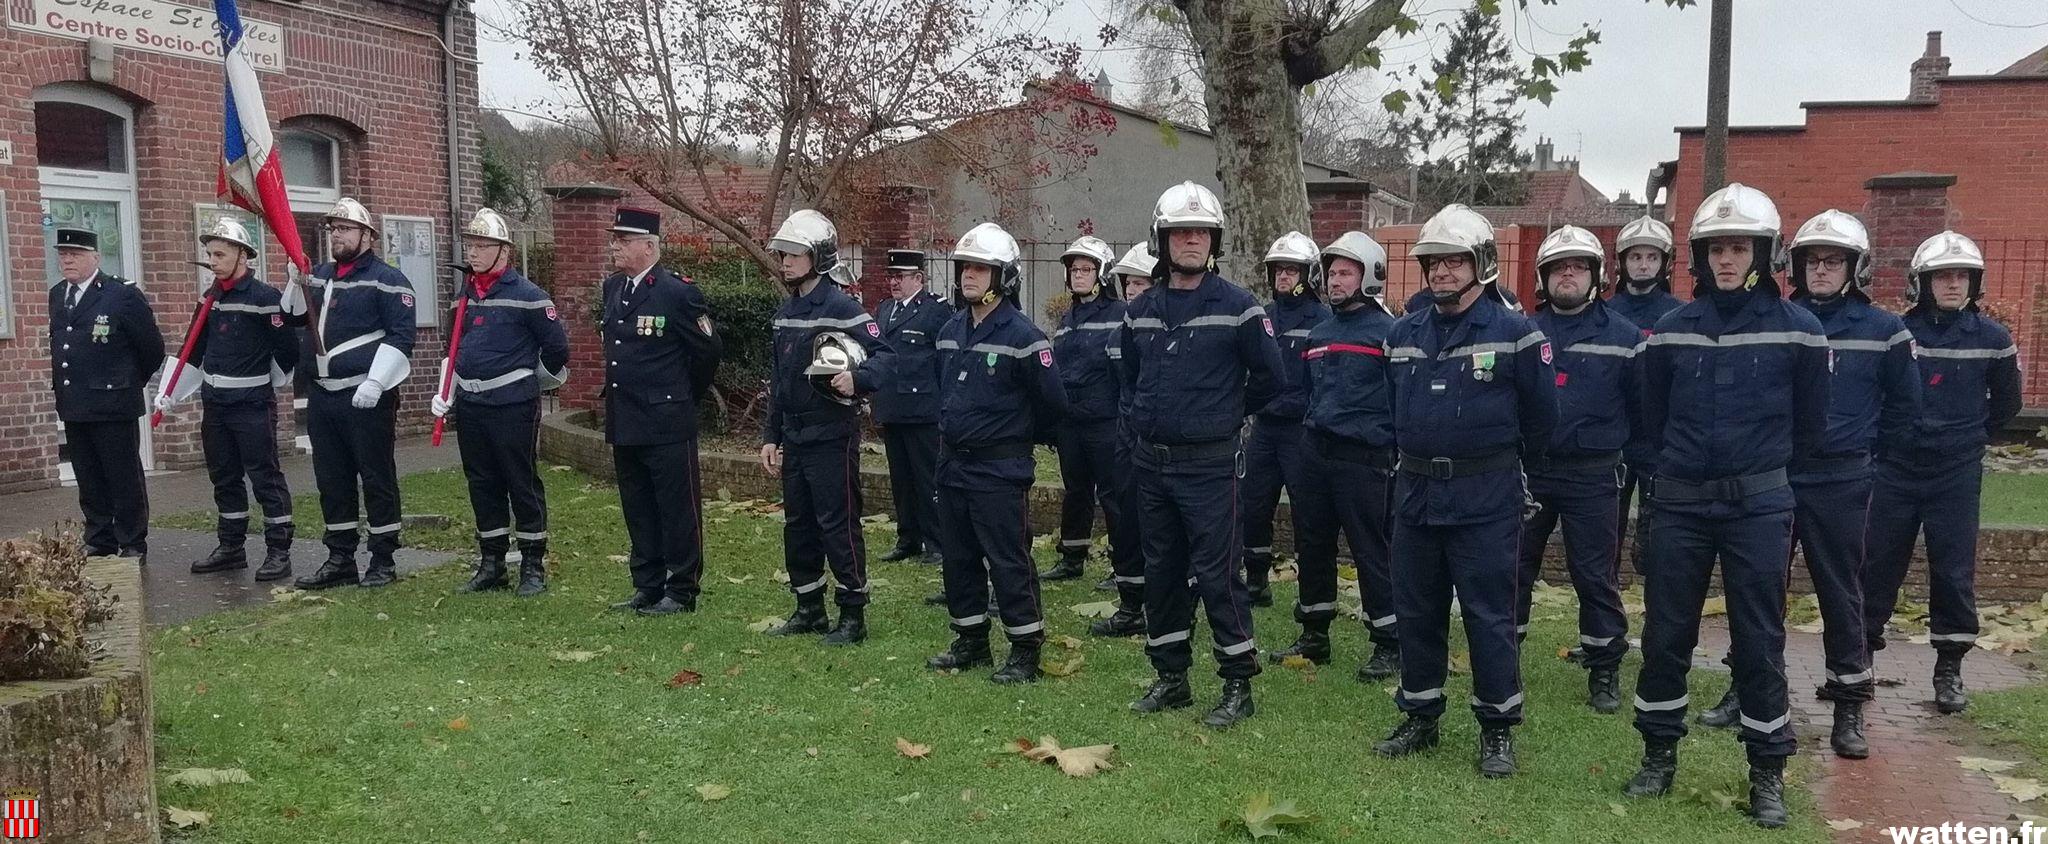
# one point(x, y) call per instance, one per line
point(155, 25)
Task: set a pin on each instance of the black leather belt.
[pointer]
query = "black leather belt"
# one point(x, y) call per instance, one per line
point(1162, 453)
point(1334, 447)
point(1581, 463)
point(1830, 465)
point(1719, 489)
point(992, 451)
point(1446, 468)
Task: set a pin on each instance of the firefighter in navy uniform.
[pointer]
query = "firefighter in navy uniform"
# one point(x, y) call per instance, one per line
point(1087, 435)
point(1970, 390)
point(360, 311)
point(999, 389)
point(661, 356)
point(908, 412)
point(1200, 354)
point(1735, 390)
point(245, 353)
point(1273, 451)
point(1132, 276)
point(1347, 466)
point(1642, 296)
point(512, 349)
point(811, 439)
point(104, 344)
point(1473, 400)
point(1577, 482)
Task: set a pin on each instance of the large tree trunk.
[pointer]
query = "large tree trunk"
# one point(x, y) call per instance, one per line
point(1255, 114)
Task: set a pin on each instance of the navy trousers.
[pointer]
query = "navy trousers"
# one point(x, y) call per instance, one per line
point(986, 537)
point(821, 505)
point(1942, 503)
point(1587, 505)
point(1477, 560)
point(1191, 541)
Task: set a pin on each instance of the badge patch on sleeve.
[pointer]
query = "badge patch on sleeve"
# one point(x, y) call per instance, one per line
point(406, 298)
point(551, 313)
point(874, 330)
point(1543, 352)
point(1268, 322)
point(277, 320)
point(1045, 357)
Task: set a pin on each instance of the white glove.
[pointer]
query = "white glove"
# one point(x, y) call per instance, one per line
point(440, 406)
point(163, 403)
point(367, 395)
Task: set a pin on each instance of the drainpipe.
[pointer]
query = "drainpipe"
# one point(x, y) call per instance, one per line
point(451, 68)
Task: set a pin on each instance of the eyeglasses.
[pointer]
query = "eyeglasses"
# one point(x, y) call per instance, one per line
point(1833, 262)
point(339, 228)
point(1449, 262)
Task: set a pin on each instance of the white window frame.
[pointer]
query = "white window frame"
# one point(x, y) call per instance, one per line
point(310, 197)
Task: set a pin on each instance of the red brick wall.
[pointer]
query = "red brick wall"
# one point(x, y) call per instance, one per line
point(901, 219)
point(384, 86)
point(1334, 212)
point(582, 217)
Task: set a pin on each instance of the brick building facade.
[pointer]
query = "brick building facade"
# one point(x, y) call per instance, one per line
point(121, 132)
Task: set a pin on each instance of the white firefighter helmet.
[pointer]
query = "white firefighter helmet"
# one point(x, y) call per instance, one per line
point(1137, 260)
point(1567, 242)
point(1945, 251)
point(1371, 257)
point(1644, 231)
point(833, 352)
point(348, 210)
point(1187, 206)
point(1737, 210)
point(489, 225)
point(232, 231)
point(990, 245)
point(1092, 248)
point(1297, 248)
point(807, 232)
point(1832, 228)
point(1458, 230)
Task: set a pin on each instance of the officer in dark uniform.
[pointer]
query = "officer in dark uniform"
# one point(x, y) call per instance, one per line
point(908, 412)
point(1273, 451)
point(1735, 389)
point(1348, 458)
point(999, 389)
point(360, 311)
point(1200, 354)
point(104, 344)
point(812, 437)
point(1643, 296)
point(512, 348)
point(1087, 435)
point(660, 355)
point(239, 358)
point(1473, 400)
point(1132, 276)
point(1970, 390)
point(1577, 482)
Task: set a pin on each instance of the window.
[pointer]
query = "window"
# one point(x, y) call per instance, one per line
point(80, 137)
point(312, 167)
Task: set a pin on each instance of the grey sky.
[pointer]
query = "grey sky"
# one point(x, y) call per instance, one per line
point(1648, 73)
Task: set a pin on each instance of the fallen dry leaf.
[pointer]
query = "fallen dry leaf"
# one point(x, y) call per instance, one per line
point(689, 647)
point(811, 752)
point(573, 656)
point(1617, 810)
point(209, 777)
point(1845, 824)
point(1062, 668)
point(1989, 766)
point(1073, 761)
point(1096, 609)
point(2023, 789)
point(1298, 662)
point(765, 625)
point(1068, 642)
point(713, 791)
point(685, 677)
point(735, 670)
point(736, 581)
point(1263, 818)
point(912, 750)
point(186, 818)
point(460, 723)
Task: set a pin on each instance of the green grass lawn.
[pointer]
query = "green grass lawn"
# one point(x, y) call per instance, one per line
point(411, 714)
point(2014, 499)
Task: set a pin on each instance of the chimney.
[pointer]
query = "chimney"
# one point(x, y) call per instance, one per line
point(1543, 149)
point(1624, 199)
point(1931, 66)
point(1101, 86)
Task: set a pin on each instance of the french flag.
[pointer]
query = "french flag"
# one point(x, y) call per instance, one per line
point(250, 175)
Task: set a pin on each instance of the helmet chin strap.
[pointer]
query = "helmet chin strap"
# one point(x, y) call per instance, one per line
point(1455, 295)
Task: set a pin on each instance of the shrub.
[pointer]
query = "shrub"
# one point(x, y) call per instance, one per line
point(46, 604)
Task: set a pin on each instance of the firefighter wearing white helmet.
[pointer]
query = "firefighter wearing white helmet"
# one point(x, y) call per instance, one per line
point(1133, 276)
point(1200, 355)
point(1294, 272)
point(362, 321)
point(1086, 441)
point(1473, 401)
point(1574, 484)
point(1347, 440)
point(1133, 272)
point(1642, 295)
point(1721, 494)
point(999, 392)
point(242, 353)
point(813, 442)
point(1931, 484)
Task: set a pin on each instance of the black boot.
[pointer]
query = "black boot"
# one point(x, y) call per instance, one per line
point(639, 599)
point(1021, 666)
point(533, 570)
point(852, 629)
point(936, 599)
point(934, 559)
point(1258, 580)
point(1413, 735)
point(1313, 644)
point(1235, 705)
point(1170, 691)
point(490, 573)
point(967, 651)
point(1660, 767)
point(1069, 567)
point(277, 563)
point(339, 570)
point(668, 605)
point(1767, 792)
point(1107, 584)
point(1385, 663)
point(1725, 713)
point(1496, 752)
point(1129, 620)
point(1603, 690)
point(903, 551)
point(380, 572)
point(808, 618)
point(1847, 736)
point(1949, 696)
point(225, 557)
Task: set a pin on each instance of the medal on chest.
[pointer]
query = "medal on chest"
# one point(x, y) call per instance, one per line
point(1482, 366)
point(101, 329)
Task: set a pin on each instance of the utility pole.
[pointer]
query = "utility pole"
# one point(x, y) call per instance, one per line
point(1714, 168)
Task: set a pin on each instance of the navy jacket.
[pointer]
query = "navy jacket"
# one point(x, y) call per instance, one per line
point(1349, 394)
point(512, 328)
point(102, 351)
point(1874, 391)
point(797, 413)
point(1735, 396)
point(1293, 317)
point(1599, 404)
point(658, 357)
point(1467, 387)
point(246, 345)
point(370, 305)
point(999, 388)
point(911, 328)
point(1199, 361)
point(1970, 387)
point(1084, 333)
point(1643, 309)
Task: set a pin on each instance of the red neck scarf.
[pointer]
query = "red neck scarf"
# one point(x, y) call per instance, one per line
point(481, 282)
